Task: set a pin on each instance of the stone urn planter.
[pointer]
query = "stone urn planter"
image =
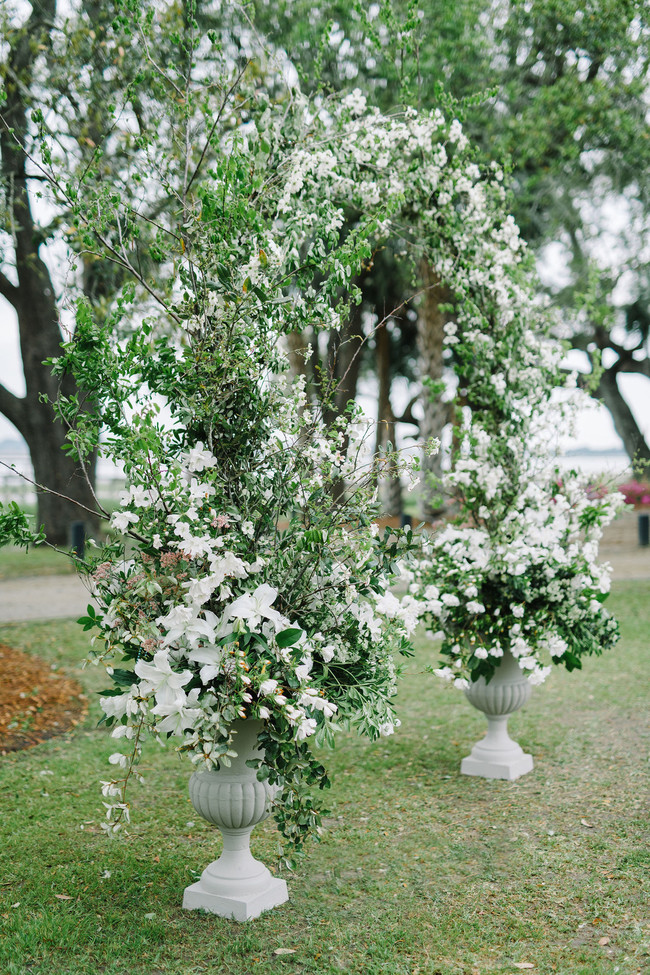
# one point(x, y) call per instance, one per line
point(497, 756)
point(236, 885)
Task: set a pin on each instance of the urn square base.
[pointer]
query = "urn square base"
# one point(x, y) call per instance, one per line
point(243, 907)
point(496, 767)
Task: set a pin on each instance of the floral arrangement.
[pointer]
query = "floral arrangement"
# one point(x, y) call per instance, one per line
point(534, 589)
point(246, 576)
point(251, 595)
point(516, 570)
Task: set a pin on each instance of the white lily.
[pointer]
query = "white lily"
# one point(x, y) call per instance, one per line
point(255, 606)
point(159, 678)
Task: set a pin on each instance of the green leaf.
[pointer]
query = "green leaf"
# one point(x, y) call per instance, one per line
point(287, 638)
point(125, 678)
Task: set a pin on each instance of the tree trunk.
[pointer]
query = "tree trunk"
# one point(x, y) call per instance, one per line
point(40, 338)
point(343, 365)
point(624, 422)
point(33, 298)
point(390, 488)
point(431, 321)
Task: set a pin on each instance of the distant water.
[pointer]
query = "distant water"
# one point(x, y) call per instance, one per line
point(612, 465)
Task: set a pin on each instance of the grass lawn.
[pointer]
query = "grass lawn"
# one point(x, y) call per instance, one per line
point(18, 563)
point(422, 870)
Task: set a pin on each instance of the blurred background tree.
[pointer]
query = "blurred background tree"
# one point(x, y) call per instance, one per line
point(555, 91)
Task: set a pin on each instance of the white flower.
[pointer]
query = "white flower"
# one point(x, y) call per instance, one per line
point(114, 706)
point(267, 687)
point(198, 458)
point(311, 698)
point(253, 607)
point(159, 677)
point(178, 714)
point(199, 590)
point(355, 102)
point(445, 672)
point(184, 623)
point(539, 676)
point(304, 669)
point(388, 605)
point(193, 546)
point(138, 496)
point(212, 659)
point(227, 565)
point(528, 663)
point(120, 520)
point(449, 599)
point(306, 728)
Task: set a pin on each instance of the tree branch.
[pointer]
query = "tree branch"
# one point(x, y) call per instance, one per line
point(8, 290)
point(13, 407)
point(639, 367)
point(407, 415)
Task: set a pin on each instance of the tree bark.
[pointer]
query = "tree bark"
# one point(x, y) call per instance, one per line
point(343, 365)
point(431, 321)
point(390, 487)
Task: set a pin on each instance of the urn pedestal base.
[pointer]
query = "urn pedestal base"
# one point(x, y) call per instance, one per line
point(497, 756)
point(240, 898)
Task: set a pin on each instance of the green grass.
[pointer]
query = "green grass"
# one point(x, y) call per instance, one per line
point(422, 871)
point(18, 563)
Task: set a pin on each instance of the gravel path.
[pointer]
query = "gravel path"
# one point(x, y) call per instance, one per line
point(42, 598)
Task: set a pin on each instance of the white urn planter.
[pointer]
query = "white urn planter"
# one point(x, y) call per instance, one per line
point(236, 885)
point(497, 756)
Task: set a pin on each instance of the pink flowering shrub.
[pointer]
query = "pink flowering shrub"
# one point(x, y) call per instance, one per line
point(635, 492)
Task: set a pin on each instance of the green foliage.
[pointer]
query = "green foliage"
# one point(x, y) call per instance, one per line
point(15, 527)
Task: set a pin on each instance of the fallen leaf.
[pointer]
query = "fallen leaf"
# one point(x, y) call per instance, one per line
point(284, 951)
point(523, 964)
point(583, 822)
point(603, 941)
point(63, 897)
